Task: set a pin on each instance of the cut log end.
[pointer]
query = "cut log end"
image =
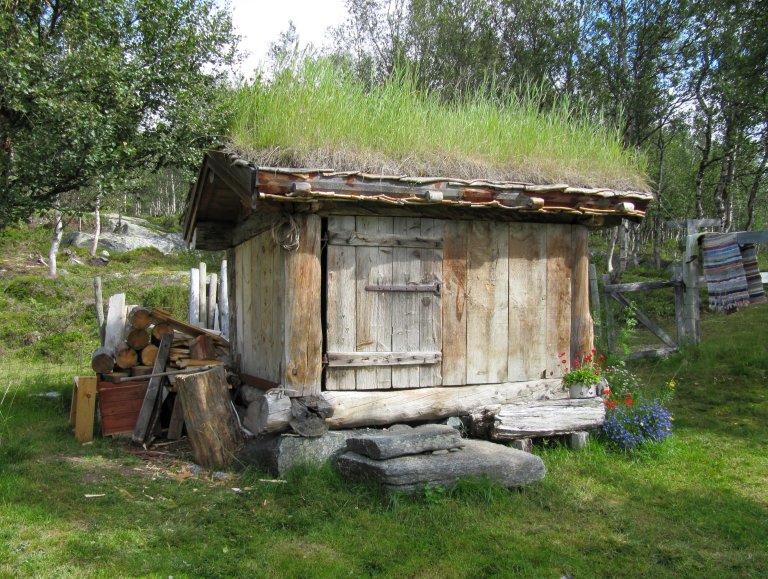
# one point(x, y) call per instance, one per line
point(126, 357)
point(140, 318)
point(102, 360)
point(148, 355)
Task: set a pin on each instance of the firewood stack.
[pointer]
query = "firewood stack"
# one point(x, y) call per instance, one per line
point(134, 350)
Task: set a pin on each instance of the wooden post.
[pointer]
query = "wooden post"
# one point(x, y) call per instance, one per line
point(691, 301)
point(212, 426)
point(582, 336)
point(147, 414)
point(302, 328)
point(213, 287)
point(203, 295)
point(610, 327)
point(114, 332)
point(194, 296)
point(83, 409)
point(677, 277)
point(99, 307)
point(594, 301)
point(224, 300)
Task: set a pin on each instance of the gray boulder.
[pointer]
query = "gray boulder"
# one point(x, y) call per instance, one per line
point(127, 233)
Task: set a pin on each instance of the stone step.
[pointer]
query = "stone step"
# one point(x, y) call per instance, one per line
point(405, 440)
point(478, 458)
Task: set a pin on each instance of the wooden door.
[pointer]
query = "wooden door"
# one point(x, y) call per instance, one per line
point(383, 315)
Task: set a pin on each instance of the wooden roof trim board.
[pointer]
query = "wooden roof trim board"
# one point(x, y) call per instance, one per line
point(266, 188)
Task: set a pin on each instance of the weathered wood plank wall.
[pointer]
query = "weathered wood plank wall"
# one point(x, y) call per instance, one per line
point(258, 293)
point(512, 296)
point(527, 301)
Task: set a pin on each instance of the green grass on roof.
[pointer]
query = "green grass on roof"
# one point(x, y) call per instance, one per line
point(323, 117)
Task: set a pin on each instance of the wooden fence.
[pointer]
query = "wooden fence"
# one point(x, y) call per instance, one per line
point(687, 281)
point(208, 298)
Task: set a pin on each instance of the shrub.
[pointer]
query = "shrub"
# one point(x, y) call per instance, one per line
point(173, 298)
point(628, 426)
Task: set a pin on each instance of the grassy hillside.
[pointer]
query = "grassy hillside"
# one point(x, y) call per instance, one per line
point(323, 116)
point(694, 506)
point(54, 320)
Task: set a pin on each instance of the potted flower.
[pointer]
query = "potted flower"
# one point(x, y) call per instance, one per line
point(584, 376)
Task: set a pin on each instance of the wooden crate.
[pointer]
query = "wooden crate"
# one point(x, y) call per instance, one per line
point(119, 405)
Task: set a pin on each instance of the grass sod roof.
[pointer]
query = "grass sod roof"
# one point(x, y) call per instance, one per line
point(321, 116)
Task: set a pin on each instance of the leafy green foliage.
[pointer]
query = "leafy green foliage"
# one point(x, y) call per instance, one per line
point(91, 90)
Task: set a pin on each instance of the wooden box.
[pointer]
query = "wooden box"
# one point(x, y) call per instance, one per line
point(119, 405)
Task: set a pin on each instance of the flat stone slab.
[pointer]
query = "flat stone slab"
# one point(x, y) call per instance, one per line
point(277, 453)
point(400, 441)
point(510, 467)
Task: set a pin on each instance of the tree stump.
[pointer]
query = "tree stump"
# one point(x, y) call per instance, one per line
point(209, 416)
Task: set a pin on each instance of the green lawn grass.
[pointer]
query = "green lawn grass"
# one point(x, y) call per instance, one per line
point(696, 505)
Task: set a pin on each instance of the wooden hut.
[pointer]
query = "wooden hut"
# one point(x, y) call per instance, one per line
point(398, 298)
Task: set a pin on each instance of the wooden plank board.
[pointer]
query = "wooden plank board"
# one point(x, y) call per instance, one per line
point(203, 296)
point(302, 330)
point(213, 289)
point(259, 313)
point(488, 294)
point(558, 320)
point(454, 314)
point(352, 359)
point(193, 313)
point(374, 313)
point(527, 301)
point(246, 311)
point(239, 306)
point(224, 299)
point(341, 303)
point(397, 239)
point(83, 407)
point(582, 336)
point(143, 429)
point(114, 332)
point(430, 312)
point(406, 268)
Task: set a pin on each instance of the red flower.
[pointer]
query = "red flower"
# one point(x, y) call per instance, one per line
point(610, 403)
point(628, 402)
point(606, 391)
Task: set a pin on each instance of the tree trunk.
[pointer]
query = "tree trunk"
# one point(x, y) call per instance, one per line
point(58, 229)
point(97, 225)
point(755, 188)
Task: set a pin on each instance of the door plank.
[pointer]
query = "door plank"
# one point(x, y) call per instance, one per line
point(430, 312)
point(374, 311)
point(341, 303)
point(406, 268)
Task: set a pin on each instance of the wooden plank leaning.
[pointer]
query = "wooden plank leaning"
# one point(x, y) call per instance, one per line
point(148, 413)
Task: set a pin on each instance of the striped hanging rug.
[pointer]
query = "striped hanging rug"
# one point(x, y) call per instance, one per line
point(724, 271)
point(752, 273)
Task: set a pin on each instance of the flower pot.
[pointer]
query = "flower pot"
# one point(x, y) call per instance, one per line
point(582, 391)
